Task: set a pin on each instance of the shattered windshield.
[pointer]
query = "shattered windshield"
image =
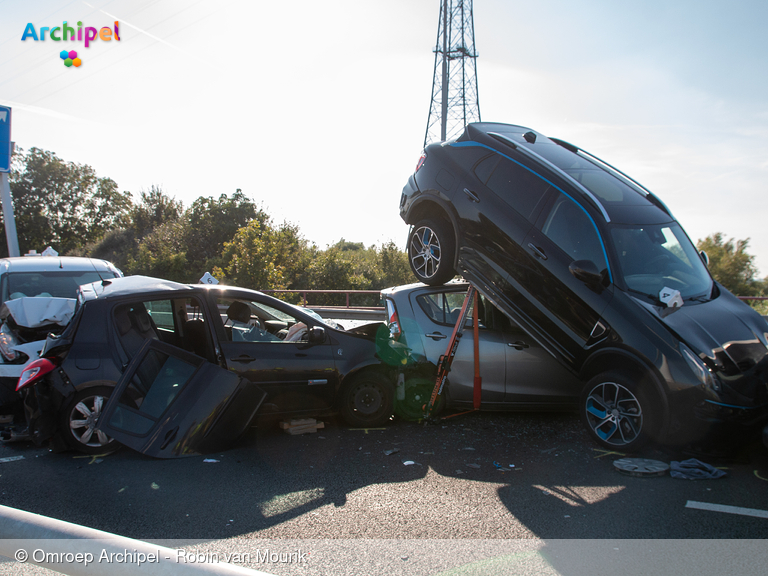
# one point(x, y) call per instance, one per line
point(653, 257)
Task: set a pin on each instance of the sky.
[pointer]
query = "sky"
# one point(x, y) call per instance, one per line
point(317, 110)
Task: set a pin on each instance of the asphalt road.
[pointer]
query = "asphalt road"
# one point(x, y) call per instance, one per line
point(479, 491)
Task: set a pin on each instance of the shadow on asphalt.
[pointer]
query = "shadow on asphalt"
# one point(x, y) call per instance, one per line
point(548, 474)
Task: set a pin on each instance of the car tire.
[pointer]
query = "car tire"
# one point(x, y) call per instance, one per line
point(417, 394)
point(617, 412)
point(79, 419)
point(367, 400)
point(431, 252)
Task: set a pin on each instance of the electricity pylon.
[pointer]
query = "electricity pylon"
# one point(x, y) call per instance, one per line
point(454, 85)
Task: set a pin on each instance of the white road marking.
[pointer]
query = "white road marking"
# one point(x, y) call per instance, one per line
point(11, 458)
point(727, 509)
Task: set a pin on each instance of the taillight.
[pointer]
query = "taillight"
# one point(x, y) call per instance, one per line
point(34, 371)
point(393, 321)
point(420, 163)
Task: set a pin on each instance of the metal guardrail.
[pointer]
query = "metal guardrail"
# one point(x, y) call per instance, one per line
point(80, 551)
point(347, 293)
point(346, 312)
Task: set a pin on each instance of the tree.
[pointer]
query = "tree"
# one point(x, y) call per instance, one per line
point(263, 257)
point(212, 223)
point(161, 254)
point(731, 265)
point(62, 204)
point(156, 208)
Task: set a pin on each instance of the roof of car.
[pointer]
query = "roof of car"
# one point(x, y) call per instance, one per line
point(52, 263)
point(638, 206)
point(114, 287)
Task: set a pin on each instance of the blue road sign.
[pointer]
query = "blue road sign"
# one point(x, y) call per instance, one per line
point(5, 139)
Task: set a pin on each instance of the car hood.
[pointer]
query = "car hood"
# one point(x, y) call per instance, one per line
point(36, 312)
point(728, 335)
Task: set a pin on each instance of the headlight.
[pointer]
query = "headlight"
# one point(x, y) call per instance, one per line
point(702, 372)
point(7, 341)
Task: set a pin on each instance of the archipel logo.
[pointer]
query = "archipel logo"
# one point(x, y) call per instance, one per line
point(67, 33)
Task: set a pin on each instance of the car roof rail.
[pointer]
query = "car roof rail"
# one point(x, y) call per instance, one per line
point(615, 171)
point(551, 166)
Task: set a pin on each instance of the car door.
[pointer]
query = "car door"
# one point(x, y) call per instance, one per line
point(171, 403)
point(533, 377)
point(497, 210)
point(273, 349)
point(436, 312)
point(564, 308)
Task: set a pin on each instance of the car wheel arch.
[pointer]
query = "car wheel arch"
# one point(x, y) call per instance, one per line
point(94, 384)
point(362, 369)
point(431, 206)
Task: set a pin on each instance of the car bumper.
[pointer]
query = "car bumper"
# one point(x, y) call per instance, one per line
point(31, 350)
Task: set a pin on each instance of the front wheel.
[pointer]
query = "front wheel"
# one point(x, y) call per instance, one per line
point(431, 252)
point(79, 420)
point(617, 412)
point(367, 400)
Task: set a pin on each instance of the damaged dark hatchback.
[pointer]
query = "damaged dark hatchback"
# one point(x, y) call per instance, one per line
point(595, 268)
point(173, 370)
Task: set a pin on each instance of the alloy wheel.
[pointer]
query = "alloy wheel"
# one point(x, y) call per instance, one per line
point(425, 252)
point(83, 419)
point(614, 414)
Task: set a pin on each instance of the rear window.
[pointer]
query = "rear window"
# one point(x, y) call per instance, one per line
point(517, 186)
point(62, 284)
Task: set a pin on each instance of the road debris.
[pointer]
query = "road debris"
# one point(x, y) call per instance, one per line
point(392, 451)
point(301, 426)
point(693, 469)
point(641, 467)
point(11, 458)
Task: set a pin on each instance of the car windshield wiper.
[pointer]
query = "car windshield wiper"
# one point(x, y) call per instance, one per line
point(700, 298)
point(653, 297)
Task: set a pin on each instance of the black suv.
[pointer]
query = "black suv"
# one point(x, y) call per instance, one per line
point(596, 269)
point(193, 365)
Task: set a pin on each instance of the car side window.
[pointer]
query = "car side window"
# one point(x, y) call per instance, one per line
point(517, 186)
point(569, 226)
point(485, 167)
point(444, 308)
point(177, 322)
point(249, 321)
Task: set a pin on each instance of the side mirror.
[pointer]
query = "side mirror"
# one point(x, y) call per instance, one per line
point(587, 272)
point(316, 335)
point(704, 257)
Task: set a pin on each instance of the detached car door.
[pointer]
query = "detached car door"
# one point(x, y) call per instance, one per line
point(171, 403)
